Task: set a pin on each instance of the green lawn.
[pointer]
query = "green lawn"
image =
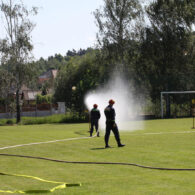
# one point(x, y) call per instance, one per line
point(163, 143)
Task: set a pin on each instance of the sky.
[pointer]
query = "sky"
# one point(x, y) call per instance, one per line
point(63, 25)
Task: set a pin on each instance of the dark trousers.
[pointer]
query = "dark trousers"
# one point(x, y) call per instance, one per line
point(94, 123)
point(111, 125)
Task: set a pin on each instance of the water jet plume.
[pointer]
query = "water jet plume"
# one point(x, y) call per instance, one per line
point(126, 106)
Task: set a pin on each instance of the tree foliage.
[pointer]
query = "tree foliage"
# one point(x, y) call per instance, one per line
point(167, 48)
point(7, 82)
point(16, 46)
point(80, 74)
point(118, 23)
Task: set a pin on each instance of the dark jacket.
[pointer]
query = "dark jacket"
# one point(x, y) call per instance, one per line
point(95, 114)
point(109, 113)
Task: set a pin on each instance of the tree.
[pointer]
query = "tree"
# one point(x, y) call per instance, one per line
point(15, 48)
point(81, 74)
point(71, 53)
point(117, 23)
point(7, 82)
point(168, 52)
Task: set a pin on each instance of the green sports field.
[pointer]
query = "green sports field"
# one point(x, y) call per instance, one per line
point(162, 143)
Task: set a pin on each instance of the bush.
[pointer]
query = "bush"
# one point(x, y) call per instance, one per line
point(44, 99)
point(9, 122)
point(58, 118)
point(3, 122)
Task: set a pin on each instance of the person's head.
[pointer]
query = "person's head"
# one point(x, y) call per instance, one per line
point(95, 105)
point(111, 102)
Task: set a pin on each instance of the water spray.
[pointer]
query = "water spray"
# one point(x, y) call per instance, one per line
point(127, 107)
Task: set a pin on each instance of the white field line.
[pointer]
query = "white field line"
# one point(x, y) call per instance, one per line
point(78, 138)
point(46, 142)
point(160, 133)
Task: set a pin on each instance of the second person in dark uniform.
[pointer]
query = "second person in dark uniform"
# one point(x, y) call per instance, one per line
point(111, 125)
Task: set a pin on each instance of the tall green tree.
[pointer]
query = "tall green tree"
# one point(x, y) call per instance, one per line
point(16, 46)
point(118, 23)
point(168, 51)
point(81, 74)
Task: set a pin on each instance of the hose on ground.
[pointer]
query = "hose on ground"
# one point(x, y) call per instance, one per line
point(99, 163)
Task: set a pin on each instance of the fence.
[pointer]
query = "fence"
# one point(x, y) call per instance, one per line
point(35, 110)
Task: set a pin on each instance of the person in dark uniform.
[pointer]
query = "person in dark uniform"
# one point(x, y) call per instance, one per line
point(94, 118)
point(109, 112)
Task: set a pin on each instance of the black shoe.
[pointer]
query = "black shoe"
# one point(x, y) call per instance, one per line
point(121, 145)
point(98, 135)
point(107, 146)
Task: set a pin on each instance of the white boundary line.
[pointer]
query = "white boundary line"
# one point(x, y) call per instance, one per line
point(160, 133)
point(46, 142)
point(78, 138)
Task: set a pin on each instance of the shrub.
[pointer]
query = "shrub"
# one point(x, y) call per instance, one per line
point(9, 122)
point(57, 118)
point(43, 99)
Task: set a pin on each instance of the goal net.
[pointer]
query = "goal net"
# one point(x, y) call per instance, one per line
point(177, 103)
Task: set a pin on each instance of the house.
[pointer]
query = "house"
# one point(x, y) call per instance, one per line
point(48, 76)
point(46, 80)
point(28, 96)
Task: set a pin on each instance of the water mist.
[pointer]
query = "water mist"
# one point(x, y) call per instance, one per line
point(126, 106)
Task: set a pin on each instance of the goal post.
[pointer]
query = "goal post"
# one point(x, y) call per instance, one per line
point(168, 93)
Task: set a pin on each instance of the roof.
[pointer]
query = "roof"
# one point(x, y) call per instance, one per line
point(49, 74)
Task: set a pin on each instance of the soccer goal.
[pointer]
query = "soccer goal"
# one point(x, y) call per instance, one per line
point(176, 103)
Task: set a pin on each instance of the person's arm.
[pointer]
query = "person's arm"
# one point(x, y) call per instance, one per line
point(113, 114)
point(90, 115)
point(99, 115)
